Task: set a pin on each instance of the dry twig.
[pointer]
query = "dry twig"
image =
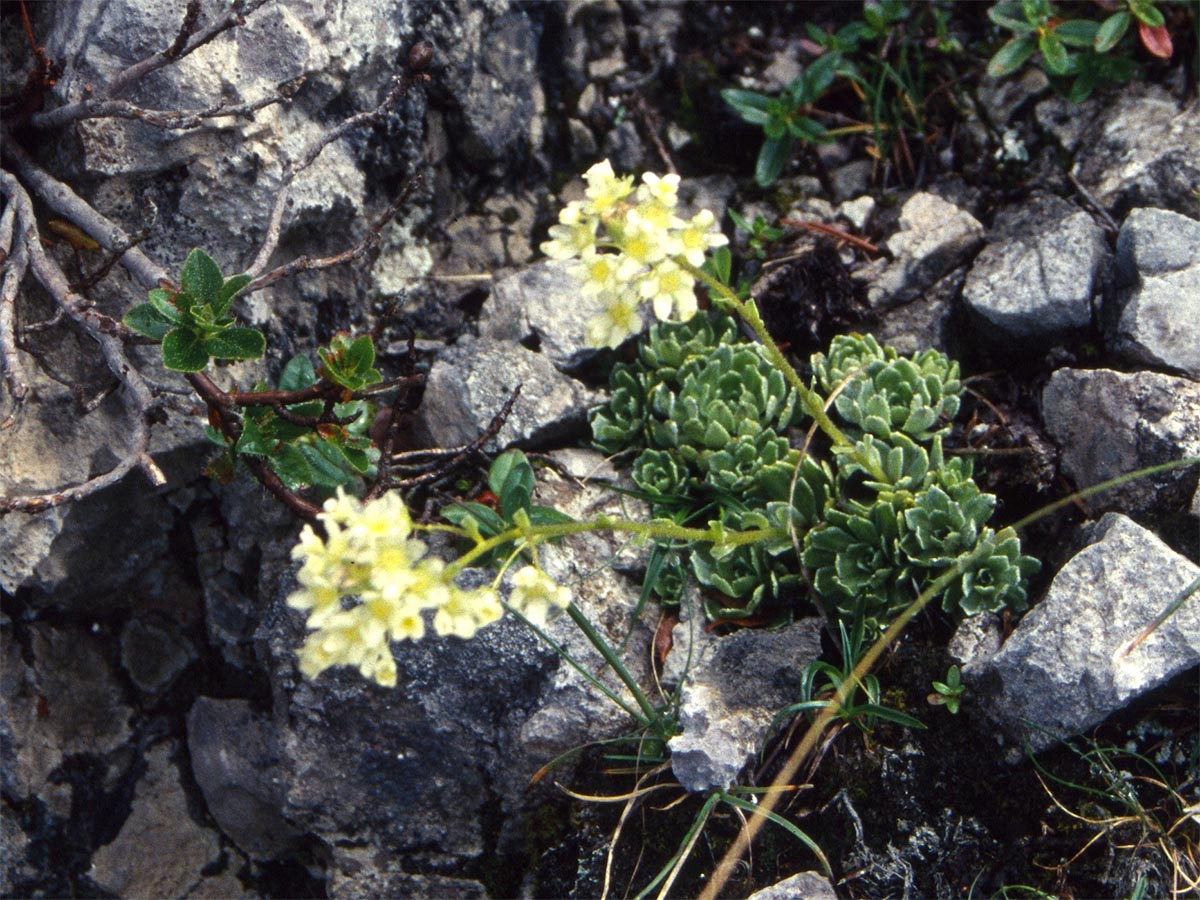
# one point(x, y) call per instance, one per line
point(136, 396)
point(127, 78)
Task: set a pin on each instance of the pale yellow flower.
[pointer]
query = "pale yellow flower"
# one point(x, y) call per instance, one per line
point(617, 320)
point(604, 189)
point(670, 287)
point(699, 236)
point(575, 233)
point(599, 272)
point(465, 612)
point(534, 594)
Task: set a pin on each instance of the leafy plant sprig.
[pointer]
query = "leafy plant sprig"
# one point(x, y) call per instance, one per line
point(949, 693)
point(1079, 49)
point(193, 323)
point(784, 119)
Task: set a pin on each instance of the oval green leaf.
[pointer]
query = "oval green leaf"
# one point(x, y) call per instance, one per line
point(201, 277)
point(1011, 57)
point(147, 321)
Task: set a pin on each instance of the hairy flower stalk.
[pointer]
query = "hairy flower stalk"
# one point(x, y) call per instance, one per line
point(370, 582)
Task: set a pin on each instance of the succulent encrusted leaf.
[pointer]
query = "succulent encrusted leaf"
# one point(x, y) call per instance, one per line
point(997, 581)
point(621, 422)
point(660, 472)
point(882, 394)
point(710, 413)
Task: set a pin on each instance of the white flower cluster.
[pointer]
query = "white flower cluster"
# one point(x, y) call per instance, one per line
point(369, 582)
point(631, 247)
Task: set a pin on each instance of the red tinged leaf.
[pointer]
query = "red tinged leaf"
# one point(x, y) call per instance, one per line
point(663, 642)
point(1156, 40)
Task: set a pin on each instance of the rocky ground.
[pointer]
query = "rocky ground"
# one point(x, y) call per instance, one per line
point(157, 738)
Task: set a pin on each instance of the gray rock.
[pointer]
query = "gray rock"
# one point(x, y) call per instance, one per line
point(356, 874)
point(922, 323)
point(430, 774)
point(1156, 242)
point(1110, 423)
point(583, 142)
point(734, 687)
point(236, 761)
point(857, 211)
point(542, 303)
point(1157, 316)
point(934, 237)
point(154, 654)
point(66, 702)
point(54, 445)
point(471, 382)
point(500, 99)
point(1063, 669)
point(1001, 97)
point(801, 886)
point(712, 192)
point(160, 851)
point(851, 180)
point(1142, 151)
point(1037, 280)
point(623, 147)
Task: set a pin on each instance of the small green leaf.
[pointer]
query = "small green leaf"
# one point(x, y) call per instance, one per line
point(720, 264)
point(819, 76)
point(809, 130)
point(545, 515)
point(297, 374)
point(359, 356)
point(1077, 32)
point(183, 351)
point(201, 277)
point(751, 106)
point(1011, 57)
point(1082, 86)
point(1012, 17)
point(147, 321)
point(290, 465)
point(1147, 13)
point(489, 523)
point(512, 480)
point(236, 343)
point(1111, 31)
point(229, 290)
point(327, 463)
point(253, 441)
point(773, 156)
point(1054, 54)
point(168, 305)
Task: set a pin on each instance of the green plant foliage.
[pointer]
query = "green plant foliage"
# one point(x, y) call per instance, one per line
point(820, 682)
point(303, 455)
point(710, 418)
point(783, 119)
point(709, 414)
point(349, 361)
point(949, 693)
point(193, 324)
point(1084, 52)
point(511, 479)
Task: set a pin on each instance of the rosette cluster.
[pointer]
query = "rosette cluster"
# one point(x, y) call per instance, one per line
point(632, 247)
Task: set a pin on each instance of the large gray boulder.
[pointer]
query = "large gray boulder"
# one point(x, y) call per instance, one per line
point(732, 689)
point(1156, 314)
point(1065, 668)
point(1110, 423)
point(1037, 278)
